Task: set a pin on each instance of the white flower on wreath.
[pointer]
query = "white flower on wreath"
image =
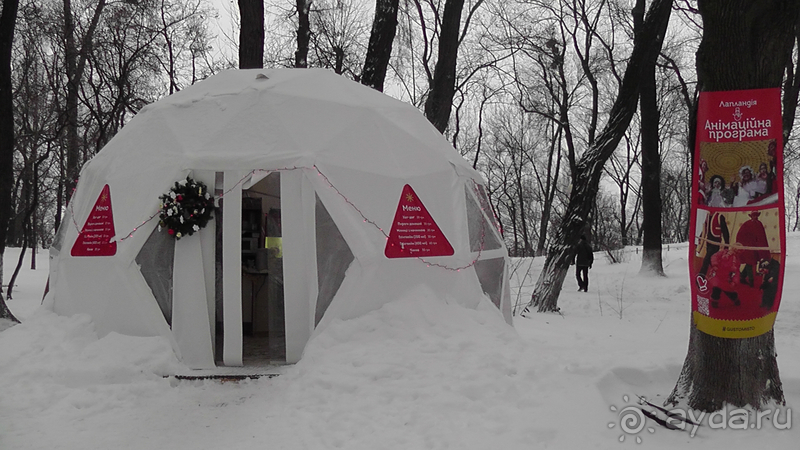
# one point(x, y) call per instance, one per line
point(172, 194)
point(169, 212)
point(195, 227)
point(180, 218)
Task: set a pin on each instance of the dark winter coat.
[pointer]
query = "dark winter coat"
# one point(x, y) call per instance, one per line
point(584, 255)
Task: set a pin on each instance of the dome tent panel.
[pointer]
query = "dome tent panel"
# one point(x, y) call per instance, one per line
point(364, 204)
point(155, 264)
point(315, 126)
point(482, 235)
point(371, 284)
point(333, 258)
point(388, 150)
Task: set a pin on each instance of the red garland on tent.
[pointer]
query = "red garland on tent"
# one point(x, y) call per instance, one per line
point(186, 208)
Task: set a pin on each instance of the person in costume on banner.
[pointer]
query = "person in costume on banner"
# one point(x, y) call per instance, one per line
point(765, 176)
point(748, 187)
point(703, 186)
point(584, 257)
point(752, 237)
point(718, 195)
point(715, 235)
point(769, 270)
point(772, 153)
point(723, 276)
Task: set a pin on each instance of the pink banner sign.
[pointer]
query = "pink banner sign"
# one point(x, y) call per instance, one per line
point(98, 229)
point(414, 232)
point(738, 218)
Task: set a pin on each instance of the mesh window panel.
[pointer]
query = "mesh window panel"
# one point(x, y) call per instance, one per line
point(333, 259)
point(490, 275)
point(66, 222)
point(484, 199)
point(479, 228)
point(155, 263)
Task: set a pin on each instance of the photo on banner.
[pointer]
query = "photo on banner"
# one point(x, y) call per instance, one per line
point(738, 174)
point(736, 267)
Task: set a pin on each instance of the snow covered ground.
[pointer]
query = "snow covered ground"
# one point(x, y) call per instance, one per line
point(416, 374)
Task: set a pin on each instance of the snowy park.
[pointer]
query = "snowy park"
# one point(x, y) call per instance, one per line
point(418, 373)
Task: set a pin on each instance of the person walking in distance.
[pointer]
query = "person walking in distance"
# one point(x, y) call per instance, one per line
point(584, 257)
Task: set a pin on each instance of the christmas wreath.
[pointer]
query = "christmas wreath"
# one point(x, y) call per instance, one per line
point(186, 208)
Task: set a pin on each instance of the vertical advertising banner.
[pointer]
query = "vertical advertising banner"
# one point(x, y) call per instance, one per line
point(736, 253)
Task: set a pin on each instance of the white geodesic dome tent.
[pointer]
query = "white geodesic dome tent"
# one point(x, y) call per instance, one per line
point(333, 199)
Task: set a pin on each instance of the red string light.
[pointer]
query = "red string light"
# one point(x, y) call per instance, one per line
point(346, 200)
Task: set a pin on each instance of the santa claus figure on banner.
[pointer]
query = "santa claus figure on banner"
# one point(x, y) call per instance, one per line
point(752, 237)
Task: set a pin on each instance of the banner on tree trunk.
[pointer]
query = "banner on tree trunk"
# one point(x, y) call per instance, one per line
point(737, 254)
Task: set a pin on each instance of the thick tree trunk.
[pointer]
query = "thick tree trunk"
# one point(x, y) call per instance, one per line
point(71, 102)
point(745, 45)
point(379, 51)
point(8, 19)
point(440, 99)
point(303, 33)
point(791, 90)
point(647, 45)
point(651, 166)
point(251, 34)
point(76, 62)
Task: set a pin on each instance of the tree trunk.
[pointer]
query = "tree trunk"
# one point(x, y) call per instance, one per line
point(379, 51)
point(440, 98)
point(251, 34)
point(30, 209)
point(745, 45)
point(549, 187)
point(791, 90)
point(75, 62)
point(8, 19)
point(647, 45)
point(651, 165)
point(303, 33)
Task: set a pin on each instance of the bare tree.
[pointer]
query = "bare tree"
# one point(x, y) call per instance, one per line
point(651, 163)
point(647, 44)
point(8, 19)
point(75, 58)
point(303, 33)
point(440, 98)
point(621, 168)
point(338, 37)
point(737, 36)
point(251, 34)
point(379, 51)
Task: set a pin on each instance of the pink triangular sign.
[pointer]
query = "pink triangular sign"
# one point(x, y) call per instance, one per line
point(98, 230)
point(414, 233)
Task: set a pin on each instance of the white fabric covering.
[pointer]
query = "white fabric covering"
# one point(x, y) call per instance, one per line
point(355, 147)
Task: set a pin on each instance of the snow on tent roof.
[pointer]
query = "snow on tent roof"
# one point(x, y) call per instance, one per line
point(297, 115)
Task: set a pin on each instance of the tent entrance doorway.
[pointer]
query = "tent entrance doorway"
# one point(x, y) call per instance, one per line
point(263, 324)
